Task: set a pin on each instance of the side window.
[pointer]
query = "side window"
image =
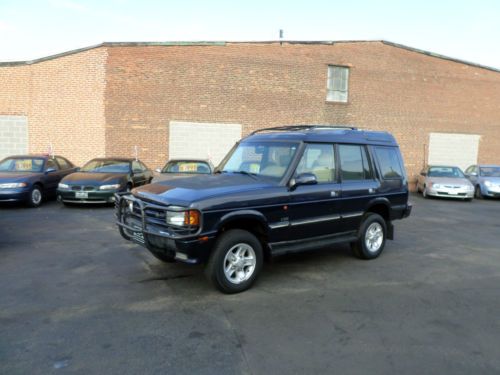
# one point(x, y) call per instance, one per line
point(136, 167)
point(51, 163)
point(63, 163)
point(388, 159)
point(354, 164)
point(318, 159)
point(143, 166)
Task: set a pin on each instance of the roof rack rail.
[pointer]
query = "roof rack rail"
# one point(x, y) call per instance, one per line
point(303, 127)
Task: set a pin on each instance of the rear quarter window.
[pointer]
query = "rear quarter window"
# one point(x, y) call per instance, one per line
point(389, 162)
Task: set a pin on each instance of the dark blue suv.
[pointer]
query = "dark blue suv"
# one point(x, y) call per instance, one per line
point(279, 190)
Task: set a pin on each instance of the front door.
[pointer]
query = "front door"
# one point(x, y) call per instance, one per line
point(315, 209)
point(138, 174)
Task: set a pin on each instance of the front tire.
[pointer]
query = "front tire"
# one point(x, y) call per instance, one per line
point(235, 262)
point(372, 236)
point(35, 196)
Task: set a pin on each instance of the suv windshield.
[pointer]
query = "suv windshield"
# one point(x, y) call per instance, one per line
point(452, 172)
point(490, 171)
point(21, 165)
point(270, 159)
point(107, 166)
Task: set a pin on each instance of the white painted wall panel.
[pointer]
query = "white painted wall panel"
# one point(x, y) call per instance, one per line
point(202, 140)
point(13, 135)
point(453, 149)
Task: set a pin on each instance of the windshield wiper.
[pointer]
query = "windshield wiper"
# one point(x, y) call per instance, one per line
point(253, 175)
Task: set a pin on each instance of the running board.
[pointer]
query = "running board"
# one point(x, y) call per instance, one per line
point(287, 247)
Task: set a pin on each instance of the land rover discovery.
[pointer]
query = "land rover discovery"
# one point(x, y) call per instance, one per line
point(279, 190)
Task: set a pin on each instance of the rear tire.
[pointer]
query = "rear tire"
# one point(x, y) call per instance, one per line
point(477, 193)
point(35, 197)
point(371, 238)
point(235, 262)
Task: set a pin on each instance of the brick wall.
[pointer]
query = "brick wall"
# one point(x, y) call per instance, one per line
point(260, 85)
point(63, 99)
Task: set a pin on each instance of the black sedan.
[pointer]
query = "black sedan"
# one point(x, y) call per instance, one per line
point(31, 178)
point(99, 179)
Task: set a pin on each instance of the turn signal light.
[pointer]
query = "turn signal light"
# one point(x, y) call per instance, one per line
point(192, 217)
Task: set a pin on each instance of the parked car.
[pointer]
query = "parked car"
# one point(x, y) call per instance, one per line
point(177, 168)
point(32, 178)
point(444, 181)
point(486, 180)
point(278, 191)
point(99, 179)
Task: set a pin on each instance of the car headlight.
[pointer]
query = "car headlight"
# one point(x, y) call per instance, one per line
point(13, 185)
point(183, 218)
point(488, 183)
point(63, 186)
point(110, 187)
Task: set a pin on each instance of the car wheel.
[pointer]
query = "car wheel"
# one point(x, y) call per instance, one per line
point(478, 194)
point(36, 196)
point(372, 235)
point(235, 262)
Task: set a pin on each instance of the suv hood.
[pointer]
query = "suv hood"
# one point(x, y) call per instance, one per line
point(184, 191)
point(93, 178)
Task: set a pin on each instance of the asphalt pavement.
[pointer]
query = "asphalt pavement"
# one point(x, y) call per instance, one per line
point(77, 299)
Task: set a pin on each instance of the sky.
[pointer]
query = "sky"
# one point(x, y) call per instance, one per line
point(467, 30)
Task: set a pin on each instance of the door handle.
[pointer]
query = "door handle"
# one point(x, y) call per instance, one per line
point(371, 190)
point(334, 193)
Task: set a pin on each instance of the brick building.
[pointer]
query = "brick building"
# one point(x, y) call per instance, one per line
point(196, 99)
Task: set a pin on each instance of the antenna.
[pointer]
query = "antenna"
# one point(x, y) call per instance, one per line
point(136, 153)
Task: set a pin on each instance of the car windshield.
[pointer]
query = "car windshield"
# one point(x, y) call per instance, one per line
point(106, 166)
point(490, 171)
point(186, 166)
point(22, 165)
point(270, 159)
point(453, 172)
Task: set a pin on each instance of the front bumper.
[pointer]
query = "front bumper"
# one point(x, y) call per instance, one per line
point(96, 197)
point(451, 193)
point(143, 223)
point(14, 195)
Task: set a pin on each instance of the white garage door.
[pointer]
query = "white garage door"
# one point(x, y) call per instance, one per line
point(13, 135)
point(453, 149)
point(202, 140)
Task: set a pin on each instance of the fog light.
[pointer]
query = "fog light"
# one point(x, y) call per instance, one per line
point(181, 256)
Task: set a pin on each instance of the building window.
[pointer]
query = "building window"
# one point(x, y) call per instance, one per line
point(337, 84)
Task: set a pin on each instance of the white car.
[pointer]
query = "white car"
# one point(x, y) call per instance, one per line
point(444, 181)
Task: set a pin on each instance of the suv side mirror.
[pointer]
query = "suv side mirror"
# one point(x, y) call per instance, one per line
point(303, 179)
point(49, 170)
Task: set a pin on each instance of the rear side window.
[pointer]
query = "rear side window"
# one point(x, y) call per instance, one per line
point(388, 159)
point(354, 163)
point(63, 163)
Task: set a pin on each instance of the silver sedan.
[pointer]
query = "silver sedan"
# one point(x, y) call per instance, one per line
point(444, 181)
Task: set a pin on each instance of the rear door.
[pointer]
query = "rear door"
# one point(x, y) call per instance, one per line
point(358, 183)
point(315, 209)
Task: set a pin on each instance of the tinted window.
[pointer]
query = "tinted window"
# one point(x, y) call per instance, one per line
point(63, 163)
point(51, 163)
point(388, 158)
point(318, 159)
point(136, 166)
point(354, 163)
point(490, 171)
point(106, 166)
point(452, 172)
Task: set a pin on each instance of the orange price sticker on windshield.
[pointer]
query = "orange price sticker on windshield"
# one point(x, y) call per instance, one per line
point(187, 167)
point(24, 165)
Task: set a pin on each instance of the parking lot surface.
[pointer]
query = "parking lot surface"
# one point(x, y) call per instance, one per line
point(75, 298)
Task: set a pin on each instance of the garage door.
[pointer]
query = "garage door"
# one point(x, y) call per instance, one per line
point(202, 140)
point(453, 149)
point(13, 135)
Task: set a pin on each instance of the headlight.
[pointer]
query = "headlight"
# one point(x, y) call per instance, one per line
point(183, 218)
point(110, 187)
point(13, 185)
point(63, 186)
point(488, 183)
